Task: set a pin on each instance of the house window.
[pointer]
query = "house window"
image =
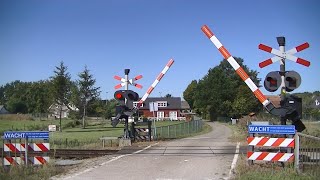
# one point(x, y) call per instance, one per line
point(173, 115)
point(162, 103)
point(135, 104)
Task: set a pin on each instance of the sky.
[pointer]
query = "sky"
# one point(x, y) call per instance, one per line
point(109, 36)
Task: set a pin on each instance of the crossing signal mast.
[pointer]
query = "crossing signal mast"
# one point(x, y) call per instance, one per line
point(126, 97)
point(288, 80)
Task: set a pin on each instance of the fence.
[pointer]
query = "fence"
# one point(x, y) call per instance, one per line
point(309, 154)
point(83, 144)
point(178, 130)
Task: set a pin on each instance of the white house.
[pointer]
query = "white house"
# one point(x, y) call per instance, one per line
point(3, 110)
point(54, 110)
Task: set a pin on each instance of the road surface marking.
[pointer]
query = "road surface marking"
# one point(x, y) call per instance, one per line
point(235, 159)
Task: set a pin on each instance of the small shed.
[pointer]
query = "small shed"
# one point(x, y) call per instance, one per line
point(3, 110)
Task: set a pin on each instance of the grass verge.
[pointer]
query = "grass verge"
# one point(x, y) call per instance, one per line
point(267, 171)
point(30, 172)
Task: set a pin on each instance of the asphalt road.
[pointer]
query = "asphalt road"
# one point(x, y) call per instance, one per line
point(207, 156)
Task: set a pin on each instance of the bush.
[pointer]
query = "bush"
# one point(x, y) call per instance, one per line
point(75, 115)
point(72, 124)
point(38, 127)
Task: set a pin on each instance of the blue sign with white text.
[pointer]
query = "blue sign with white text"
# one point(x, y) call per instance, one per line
point(272, 129)
point(26, 134)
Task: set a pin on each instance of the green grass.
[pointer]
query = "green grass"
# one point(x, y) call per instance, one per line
point(312, 128)
point(267, 171)
point(28, 125)
point(31, 172)
point(73, 137)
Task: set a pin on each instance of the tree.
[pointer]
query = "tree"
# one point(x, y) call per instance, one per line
point(61, 84)
point(221, 92)
point(41, 97)
point(16, 97)
point(26, 97)
point(188, 94)
point(244, 102)
point(110, 108)
point(87, 90)
point(2, 99)
point(168, 95)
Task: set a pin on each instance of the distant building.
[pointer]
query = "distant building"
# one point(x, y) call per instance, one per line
point(3, 110)
point(186, 110)
point(54, 110)
point(275, 99)
point(169, 108)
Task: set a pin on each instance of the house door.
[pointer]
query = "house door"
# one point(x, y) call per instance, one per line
point(160, 115)
point(173, 115)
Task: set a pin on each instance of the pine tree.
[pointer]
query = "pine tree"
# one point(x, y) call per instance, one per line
point(61, 83)
point(87, 90)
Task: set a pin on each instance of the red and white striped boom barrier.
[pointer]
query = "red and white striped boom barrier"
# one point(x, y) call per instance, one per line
point(284, 55)
point(239, 70)
point(154, 84)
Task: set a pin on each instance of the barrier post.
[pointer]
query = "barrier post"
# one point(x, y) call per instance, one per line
point(26, 151)
point(296, 153)
point(250, 149)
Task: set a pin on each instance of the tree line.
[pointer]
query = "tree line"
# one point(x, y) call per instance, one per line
point(222, 93)
point(37, 97)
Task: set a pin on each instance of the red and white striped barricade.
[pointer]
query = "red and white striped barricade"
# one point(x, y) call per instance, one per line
point(15, 149)
point(7, 161)
point(271, 142)
point(16, 153)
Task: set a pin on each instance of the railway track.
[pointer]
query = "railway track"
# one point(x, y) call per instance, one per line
point(69, 153)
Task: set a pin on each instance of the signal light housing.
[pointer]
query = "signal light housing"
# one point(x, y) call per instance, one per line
point(272, 81)
point(129, 95)
point(292, 80)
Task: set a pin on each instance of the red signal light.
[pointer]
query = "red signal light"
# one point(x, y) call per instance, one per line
point(119, 96)
point(273, 82)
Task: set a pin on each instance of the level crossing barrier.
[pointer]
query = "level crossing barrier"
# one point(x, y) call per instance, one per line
point(18, 150)
point(257, 145)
